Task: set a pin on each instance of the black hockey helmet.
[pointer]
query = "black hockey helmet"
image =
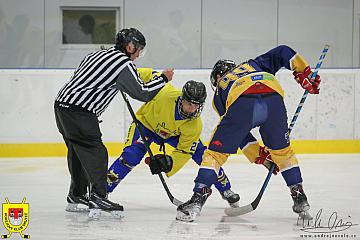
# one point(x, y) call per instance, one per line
point(195, 93)
point(220, 68)
point(129, 35)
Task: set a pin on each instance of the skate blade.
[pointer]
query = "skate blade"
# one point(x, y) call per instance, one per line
point(117, 214)
point(97, 214)
point(305, 216)
point(74, 207)
point(190, 217)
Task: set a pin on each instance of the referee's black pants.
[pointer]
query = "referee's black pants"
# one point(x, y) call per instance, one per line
point(87, 156)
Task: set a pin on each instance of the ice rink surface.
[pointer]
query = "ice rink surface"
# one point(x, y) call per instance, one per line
point(331, 182)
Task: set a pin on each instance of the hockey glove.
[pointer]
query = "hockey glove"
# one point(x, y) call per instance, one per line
point(304, 79)
point(160, 163)
point(265, 159)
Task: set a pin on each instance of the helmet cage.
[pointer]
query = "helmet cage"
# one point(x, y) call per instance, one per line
point(186, 115)
point(194, 93)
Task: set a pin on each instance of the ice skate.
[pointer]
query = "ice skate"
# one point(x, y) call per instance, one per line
point(301, 205)
point(77, 204)
point(99, 205)
point(231, 197)
point(189, 210)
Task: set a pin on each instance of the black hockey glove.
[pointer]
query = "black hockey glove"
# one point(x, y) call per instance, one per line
point(160, 163)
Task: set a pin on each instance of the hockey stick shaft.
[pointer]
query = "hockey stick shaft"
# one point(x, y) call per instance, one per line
point(6, 235)
point(147, 146)
point(303, 98)
point(252, 206)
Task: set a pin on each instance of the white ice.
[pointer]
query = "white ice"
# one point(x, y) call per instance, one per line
point(331, 182)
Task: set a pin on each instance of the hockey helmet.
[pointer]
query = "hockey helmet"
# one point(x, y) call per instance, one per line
point(129, 35)
point(194, 93)
point(221, 67)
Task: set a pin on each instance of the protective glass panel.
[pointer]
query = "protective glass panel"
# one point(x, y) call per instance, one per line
point(88, 26)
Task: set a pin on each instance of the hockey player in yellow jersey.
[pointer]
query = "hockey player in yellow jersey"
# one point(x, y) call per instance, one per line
point(172, 117)
point(248, 96)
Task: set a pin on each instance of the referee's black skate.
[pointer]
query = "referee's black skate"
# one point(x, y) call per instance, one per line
point(77, 203)
point(301, 205)
point(99, 205)
point(231, 197)
point(189, 210)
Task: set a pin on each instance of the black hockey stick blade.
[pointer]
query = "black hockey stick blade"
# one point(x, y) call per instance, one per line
point(233, 212)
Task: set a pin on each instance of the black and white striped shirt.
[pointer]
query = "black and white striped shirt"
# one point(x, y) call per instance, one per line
point(100, 76)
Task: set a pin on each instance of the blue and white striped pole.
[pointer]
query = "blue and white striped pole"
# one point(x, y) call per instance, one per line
point(318, 65)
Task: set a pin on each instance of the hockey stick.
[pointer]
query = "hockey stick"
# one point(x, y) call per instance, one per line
point(252, 206)
point(318, 65)
point(6, 235)
point(175, 201)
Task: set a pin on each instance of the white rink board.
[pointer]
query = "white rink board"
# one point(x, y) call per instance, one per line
point(27, 96)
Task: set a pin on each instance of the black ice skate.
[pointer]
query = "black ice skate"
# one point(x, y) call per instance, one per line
point(77, 204)
point(188, 211)
point(98, 205)
point(231, 197)
point(301, 205)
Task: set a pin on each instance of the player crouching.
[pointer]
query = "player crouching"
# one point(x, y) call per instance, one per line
point(248, 96)
point(172, 117)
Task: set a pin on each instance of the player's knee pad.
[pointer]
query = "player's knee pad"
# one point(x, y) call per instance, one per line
point(214, 160)
point(132, 156)
point(284, 158)
point(251, 151)
point(129, 165)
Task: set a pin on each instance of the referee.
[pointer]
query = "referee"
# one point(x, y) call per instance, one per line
point(80, 102)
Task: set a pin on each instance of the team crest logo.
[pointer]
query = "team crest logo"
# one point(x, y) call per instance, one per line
point(15, 217)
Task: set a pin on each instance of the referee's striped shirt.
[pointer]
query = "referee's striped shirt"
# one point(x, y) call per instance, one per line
point(100, 76)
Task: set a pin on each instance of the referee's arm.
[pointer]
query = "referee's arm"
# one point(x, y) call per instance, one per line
point(129, 82)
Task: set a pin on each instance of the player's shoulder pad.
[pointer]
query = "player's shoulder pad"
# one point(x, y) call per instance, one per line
point(148, 74)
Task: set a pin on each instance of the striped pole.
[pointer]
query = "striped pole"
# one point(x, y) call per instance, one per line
point(318, 65)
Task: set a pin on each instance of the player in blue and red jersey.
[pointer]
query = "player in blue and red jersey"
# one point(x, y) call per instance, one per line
point(248, 96)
